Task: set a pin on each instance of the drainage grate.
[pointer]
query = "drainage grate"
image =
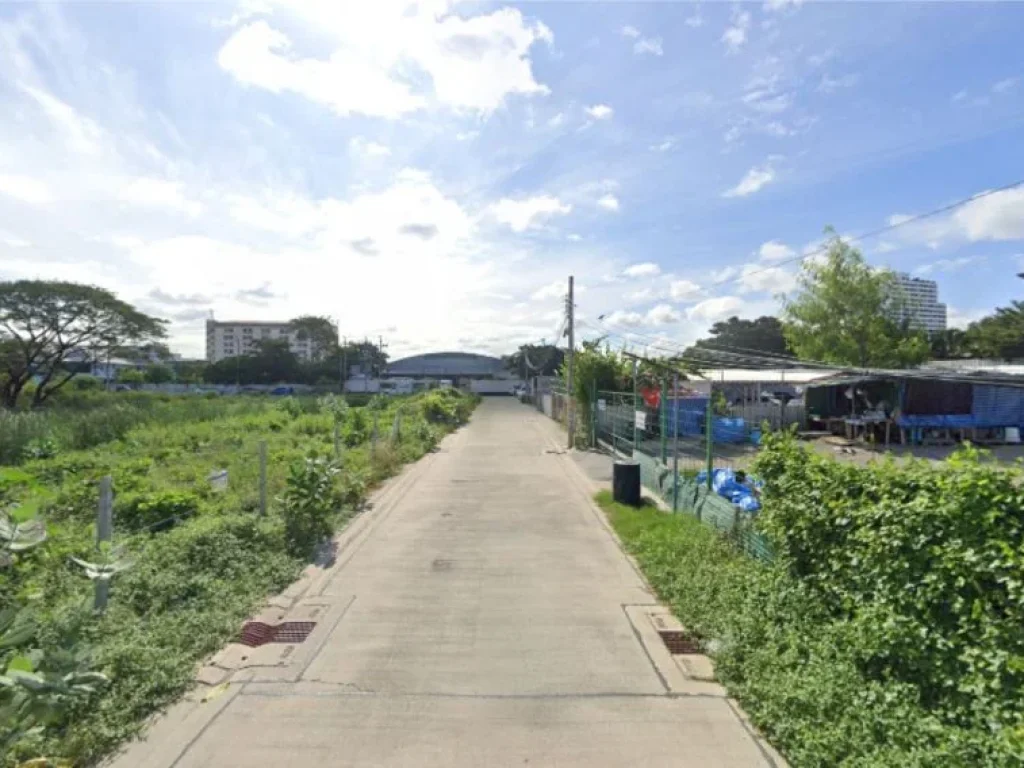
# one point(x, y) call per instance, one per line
point(256, 633)
point(679, 642)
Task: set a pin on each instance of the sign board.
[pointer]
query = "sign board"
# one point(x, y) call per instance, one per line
point(641, 419)
point(601, 404)
point(219, 480)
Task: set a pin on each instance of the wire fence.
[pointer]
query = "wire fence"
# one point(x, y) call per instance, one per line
point(693, 449)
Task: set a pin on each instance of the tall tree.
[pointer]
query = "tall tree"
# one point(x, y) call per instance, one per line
point(763, 334)
point(950, 344)
point(1000, 334)
point(271, 362)
point(321, 333)
point(535, 360)
point(42, 321)
point(849, 313)
point(159, 373)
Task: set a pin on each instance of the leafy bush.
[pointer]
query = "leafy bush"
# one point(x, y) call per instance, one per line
point(926, 563)
point(310, 503)
point(795, 667)
point(142, 510)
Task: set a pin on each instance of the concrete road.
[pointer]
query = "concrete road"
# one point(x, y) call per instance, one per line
point(482, 614)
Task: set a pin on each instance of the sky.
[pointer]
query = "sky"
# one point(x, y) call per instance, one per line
point(432, 172)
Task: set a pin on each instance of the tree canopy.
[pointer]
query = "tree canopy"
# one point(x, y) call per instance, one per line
point(763, 334)
point(321, 333)
point(535, 360)
point(272, 362)
point(847, 312)
point(42, 321)
point(1000, 335)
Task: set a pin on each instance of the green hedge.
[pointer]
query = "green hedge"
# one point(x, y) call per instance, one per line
point(794, 662)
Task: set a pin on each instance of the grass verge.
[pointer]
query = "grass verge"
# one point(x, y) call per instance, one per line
point(792, 665)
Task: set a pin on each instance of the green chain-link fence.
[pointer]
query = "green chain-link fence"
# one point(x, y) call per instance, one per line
point(679, 439)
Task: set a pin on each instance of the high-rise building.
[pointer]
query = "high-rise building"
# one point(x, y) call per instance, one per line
point(923, 308)
point(231, 338)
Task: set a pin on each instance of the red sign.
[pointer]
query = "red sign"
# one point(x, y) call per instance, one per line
point(651, 396)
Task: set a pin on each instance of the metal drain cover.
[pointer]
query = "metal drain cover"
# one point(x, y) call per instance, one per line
point(257, 633)
point(679, 642)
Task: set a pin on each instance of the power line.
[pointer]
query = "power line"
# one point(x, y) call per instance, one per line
point(880, 231)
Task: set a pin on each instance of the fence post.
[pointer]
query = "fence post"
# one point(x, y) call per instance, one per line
point(632, 410)
point(373, 436)
point(263, 477)
point(593, 414)
point(337, 441)
point(396, 427)
point(664, 423)
point(675, 443)
point(709, 429)
point(104, 533)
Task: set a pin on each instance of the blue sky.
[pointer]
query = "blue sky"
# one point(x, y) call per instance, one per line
point(433, 171)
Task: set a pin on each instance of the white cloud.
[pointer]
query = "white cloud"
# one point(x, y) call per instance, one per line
point(651, 45)
point(1005, 85)
point(13, 241)
point(642, 294)
point(361, 146)
point(754, 180)
point(621, 317)
point(24, 188)
point(830, 84)
point(530, 213)
point(645, 269)
point(554, 290)
point(80, 133)
point(158, 193)
point(556, 120)
point(780, 5)
point(630, 31)
point(712, 310)
point(387, 55)
point(573, 237)
point(947, 265)
point(663, 146)
point(684, 290)
point(600, 111)
point(756, 278)
point(695, 21)
point(723, 275)
point(662, 314)
point(735, 36)
point(609, 202)
point(998, 216)
point(961, 318)
point(767, 101)
point(775, 250)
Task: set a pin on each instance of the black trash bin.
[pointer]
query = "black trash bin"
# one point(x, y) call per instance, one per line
point(626, 482)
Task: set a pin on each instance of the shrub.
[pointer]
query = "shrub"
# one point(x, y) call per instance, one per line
point(142, 510)
point(310, 503)
point(793, 665)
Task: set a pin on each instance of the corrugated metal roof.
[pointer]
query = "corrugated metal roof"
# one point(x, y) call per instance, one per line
point(764, 375)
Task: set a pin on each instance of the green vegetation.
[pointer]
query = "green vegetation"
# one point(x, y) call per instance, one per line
point(763, 334)
point(42, 322)
point(74, 683)
point(889, 630)
point(83, 419)
point(874, 330)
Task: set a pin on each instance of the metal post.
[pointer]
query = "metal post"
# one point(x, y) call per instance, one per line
point(632, 410)
point(593, 414)
point(104, 534)
point(263, 477)
point(709, 429)
point(571, 365)
point(664, 424)
point(675, 444)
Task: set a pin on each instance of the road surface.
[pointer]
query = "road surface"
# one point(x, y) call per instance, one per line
point(481, 614)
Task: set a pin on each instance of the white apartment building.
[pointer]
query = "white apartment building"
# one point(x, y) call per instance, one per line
point(231, 338)
point(924, 309)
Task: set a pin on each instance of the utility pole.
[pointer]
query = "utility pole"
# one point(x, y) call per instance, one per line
point(380, 357)
point(569, 308)
point(344, 364)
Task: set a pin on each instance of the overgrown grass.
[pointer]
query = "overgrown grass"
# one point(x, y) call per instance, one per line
point(208, 564)
point(795, 667)
point(84, 420)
